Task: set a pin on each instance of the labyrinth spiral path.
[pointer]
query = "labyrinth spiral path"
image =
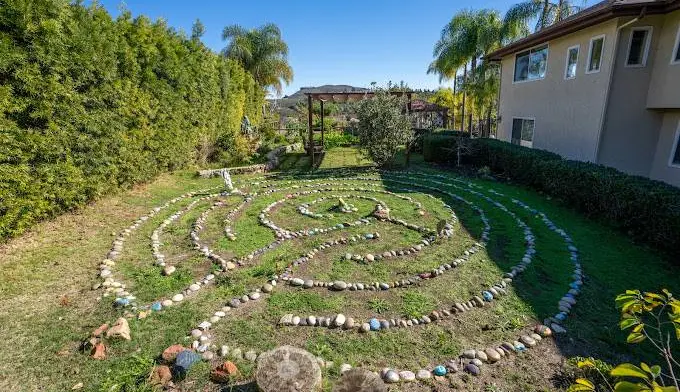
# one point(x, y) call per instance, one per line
point(352, 221)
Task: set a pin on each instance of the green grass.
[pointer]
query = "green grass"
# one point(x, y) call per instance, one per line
point(47, 307)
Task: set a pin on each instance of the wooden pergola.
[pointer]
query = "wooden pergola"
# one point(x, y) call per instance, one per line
point(313, 148)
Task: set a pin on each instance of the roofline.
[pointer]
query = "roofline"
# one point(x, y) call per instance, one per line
point(588, 19)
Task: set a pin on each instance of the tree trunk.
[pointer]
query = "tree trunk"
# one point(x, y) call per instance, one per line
point(544, 14)
point(462, 123)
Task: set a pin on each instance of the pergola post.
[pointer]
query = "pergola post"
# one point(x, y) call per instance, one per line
point(309, 128)
point(322, 123)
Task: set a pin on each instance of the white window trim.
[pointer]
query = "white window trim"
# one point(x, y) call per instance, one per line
point(514, 64)
point(533, 133)
point(590, 53)
point(566, 63)
point(675, 49)
point(674, 146)
point(645, 49)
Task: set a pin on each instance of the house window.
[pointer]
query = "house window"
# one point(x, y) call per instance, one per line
point(638, 47)
point(595, 54)
point(676, 49)
point(532, 64)
point(675, 149)
point(523, 131)
point(572, 61)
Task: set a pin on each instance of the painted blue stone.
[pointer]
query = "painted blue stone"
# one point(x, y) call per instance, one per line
point(561, 316)
point(520, 347)
point(156, 306)
point(439, 370)
point(185, 360)
point(122, 301)
point(374, 324)
point(487, 296)
point(574, 285)
point(570, 295)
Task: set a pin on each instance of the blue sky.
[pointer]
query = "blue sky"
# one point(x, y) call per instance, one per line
point(352, 42)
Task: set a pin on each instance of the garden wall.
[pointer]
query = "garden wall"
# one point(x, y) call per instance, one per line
point(89, 104)
point(647, 210)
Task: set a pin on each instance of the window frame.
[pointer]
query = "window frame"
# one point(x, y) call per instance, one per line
point(674, 147)
point(566, 65)
point(675, 56)
point(533, 132)
point(590, 53)
point(514, 64)
point(645, 49)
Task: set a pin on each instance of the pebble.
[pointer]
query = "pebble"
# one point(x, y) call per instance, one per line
point(339, 285)
point(492, 355)
point(439, 370)
point(166, 303)
point(481, 355)
point(349, 323)
point(267, 288)
point(339, 320)
point(391, 377)
point(194, 287)
point(423, 374)
point(365, 327)
point(345, 367)
point(470, 354)
point(251, 356)
point(177, 298)
point(472, 369)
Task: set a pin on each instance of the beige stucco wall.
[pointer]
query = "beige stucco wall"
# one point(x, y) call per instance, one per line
point(629, 137)
point(568, 113)
point(664, 88)
point(661, 168)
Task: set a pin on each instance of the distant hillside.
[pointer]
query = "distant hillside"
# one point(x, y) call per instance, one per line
point(286, 104)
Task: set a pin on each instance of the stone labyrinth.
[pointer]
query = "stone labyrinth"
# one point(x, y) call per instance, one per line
point(343, 223)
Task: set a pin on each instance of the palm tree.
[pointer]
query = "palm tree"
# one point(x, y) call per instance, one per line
point(545, 12)
point(262, 52)
point(465, 40)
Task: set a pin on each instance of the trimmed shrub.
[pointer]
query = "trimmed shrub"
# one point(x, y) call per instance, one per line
point(89, 104)
point(647, 210)
point(437, 146)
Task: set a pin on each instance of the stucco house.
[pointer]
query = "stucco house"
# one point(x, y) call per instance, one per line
point(601, 86)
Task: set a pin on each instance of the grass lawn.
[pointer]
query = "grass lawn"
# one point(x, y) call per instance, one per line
point(47, 305)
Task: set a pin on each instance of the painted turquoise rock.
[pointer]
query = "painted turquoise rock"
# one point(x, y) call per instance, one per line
point(439, 370)
point(374, 324)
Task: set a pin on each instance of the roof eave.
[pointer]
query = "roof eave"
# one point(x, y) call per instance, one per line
point(597, 17)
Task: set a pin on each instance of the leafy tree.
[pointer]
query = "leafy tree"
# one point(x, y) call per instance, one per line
point(197, 30)
point(383, 126)
point(262, 52)
point(464, 41)
point(90, 104)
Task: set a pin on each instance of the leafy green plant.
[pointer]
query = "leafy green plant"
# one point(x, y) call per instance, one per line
point(383, 126)
point(650, 317)
point(378, 305)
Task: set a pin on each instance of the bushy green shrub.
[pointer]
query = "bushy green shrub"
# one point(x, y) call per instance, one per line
point(339, 139)
point(647, 210)
point(437, 147)
point(383, 127)
point(89, 104)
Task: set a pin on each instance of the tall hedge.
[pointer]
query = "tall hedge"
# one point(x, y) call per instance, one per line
point(89, 104)
point(647, 210)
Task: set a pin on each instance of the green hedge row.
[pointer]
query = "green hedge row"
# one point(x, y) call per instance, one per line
point(437, 147)
point(647, 210)
point(89, 104)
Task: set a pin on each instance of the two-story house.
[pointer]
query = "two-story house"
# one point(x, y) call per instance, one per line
point(601, 86)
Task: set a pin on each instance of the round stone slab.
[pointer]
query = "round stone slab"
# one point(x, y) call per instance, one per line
point(288, 369)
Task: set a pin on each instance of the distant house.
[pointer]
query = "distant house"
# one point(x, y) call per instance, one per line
point(601, 86)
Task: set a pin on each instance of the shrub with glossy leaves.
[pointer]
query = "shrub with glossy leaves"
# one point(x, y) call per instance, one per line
point(384, 126)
